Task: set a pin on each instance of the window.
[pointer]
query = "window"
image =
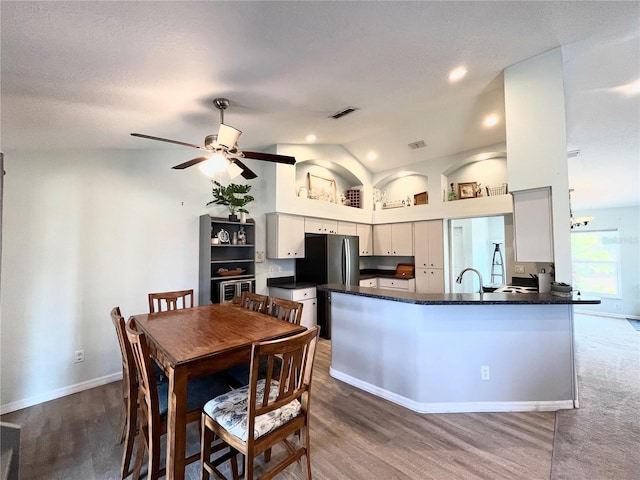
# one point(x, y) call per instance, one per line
point(595, 260)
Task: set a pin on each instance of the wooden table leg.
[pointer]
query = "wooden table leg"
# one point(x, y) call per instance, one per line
point(177, 423)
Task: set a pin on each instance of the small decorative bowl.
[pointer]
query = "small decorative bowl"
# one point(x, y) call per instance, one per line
point(561, 288)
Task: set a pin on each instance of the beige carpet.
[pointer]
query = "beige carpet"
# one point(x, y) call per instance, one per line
point(601, 439)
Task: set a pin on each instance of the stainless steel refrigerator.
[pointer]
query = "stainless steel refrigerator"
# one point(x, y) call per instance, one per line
point(328, 259)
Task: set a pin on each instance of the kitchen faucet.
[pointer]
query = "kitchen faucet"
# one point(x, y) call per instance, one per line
point(459, 279)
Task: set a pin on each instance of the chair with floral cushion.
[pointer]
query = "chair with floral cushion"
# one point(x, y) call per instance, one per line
point(254, 418)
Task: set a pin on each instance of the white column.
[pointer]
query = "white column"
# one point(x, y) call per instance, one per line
point(537, 142)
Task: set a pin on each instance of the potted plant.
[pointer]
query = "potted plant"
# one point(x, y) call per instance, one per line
point(233, 196)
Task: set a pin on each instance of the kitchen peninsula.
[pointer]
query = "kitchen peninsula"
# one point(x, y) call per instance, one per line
point(436, 353)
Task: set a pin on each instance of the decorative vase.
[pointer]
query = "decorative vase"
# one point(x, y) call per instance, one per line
point(243, 217)
point(233, 218)
point(378, 206)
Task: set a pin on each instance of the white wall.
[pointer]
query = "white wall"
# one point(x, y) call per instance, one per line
point(627, 222)
point(85, 231)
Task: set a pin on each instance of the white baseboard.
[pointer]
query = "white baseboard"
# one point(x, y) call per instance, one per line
point(605, 314)
point(60, 392)
point(453, 407)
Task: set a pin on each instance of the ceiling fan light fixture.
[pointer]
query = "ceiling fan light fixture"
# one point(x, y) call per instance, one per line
point(215, 164)
point(234, 170)
point(228, 136)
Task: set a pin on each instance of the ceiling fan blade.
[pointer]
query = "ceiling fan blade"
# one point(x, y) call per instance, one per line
point(190, 163)
point(269, 157)
point(141, 135)
point(246, 171)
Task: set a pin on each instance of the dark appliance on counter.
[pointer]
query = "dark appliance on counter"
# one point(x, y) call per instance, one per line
point(328, 259)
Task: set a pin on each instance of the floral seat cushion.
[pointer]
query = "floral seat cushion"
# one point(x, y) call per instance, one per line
point(230, 411)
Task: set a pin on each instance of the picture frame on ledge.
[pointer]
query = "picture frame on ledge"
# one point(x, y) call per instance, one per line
point(467, 190)
point(321, 188)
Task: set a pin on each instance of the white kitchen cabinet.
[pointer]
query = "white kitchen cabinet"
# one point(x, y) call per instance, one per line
point(429, 280)
point(285, 236)
point(533, 225)
point(369, 282)
point(347, 228)
point(429, 256)
point(306, 296)
point(428, 244)
point(393, 239)
point(320, 225)
point(404, 284)
point(365, 239)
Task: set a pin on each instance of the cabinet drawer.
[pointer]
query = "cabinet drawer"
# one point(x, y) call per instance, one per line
point(396, 283)
point(295, 294)
point(369, 282)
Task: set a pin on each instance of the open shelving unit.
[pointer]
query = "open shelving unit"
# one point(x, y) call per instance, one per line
point(232, 257)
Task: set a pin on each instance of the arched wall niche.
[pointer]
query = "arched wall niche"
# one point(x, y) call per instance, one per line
point(345, 179)
point(488, 169)
point(402, 186)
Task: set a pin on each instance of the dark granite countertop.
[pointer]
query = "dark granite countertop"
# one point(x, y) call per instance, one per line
point(459, 298)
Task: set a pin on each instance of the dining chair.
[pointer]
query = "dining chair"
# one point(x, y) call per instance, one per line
point(172, 300)
point(254, 301)
point(129, 411)
point(254, 418)
point(153, 404)
point(285, 309)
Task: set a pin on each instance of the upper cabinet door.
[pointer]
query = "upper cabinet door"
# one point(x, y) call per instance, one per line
point(382, 239)
point(402, 239)
point(533, 225)
point(285, 236)
point(436, 244)
point(366, 240)
point(428, 244)
point(320, 225)
point(347, 228)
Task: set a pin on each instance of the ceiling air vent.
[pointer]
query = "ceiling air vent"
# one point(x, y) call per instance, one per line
point(344, 112)
point(417, 145)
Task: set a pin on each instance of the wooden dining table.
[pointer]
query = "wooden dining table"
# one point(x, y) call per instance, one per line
point(198, 341)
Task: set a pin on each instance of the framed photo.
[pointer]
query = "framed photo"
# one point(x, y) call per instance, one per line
point(467, 190)
point(321, 188)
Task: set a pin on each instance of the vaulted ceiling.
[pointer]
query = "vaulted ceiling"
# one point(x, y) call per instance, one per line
point(83, 75)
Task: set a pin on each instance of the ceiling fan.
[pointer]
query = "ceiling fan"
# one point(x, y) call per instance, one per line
point(224, 144)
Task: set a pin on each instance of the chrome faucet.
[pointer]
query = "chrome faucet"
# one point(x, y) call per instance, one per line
point(459, 279)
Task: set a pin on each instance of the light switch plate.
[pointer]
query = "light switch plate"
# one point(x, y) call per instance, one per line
point(259, 257)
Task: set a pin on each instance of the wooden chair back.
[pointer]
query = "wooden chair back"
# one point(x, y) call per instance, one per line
point(129, 413)
point(254, 301)
point(285, 309)
point(293, 379)
point(150, 421)
point(163, 301)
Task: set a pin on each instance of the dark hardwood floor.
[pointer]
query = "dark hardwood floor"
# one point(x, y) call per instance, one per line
point(354, 435)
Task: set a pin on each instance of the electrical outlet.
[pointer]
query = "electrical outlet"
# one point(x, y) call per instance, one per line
point(519, 268)
point(270, 269)
point(617, 306)
point(485, 373)
point(79, 356)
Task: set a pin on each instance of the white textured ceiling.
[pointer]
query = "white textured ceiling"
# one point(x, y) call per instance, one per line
point(86, 74)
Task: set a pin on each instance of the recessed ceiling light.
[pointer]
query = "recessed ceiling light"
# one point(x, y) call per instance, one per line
point(457, 74)
point(311, 137)
point(372, 156)
point(490, 120)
